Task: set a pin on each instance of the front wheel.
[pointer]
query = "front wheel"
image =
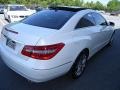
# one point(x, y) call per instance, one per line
point(4, 17)
point(79, 66)
point(9, 19)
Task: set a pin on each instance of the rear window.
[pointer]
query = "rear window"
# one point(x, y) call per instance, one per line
point(53, 19)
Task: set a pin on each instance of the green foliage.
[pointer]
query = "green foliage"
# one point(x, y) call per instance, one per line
point(99, 6)
point(90, 4)
point(4, 1)
point(112, 5)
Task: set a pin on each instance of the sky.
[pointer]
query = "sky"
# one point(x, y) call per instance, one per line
point(102, 1)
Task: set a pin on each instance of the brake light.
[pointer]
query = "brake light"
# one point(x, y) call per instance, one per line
point(42, 52)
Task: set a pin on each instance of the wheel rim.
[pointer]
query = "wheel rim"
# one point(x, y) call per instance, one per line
point(81, 65)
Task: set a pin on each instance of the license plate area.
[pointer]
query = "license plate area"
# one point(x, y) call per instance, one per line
point(10, 43)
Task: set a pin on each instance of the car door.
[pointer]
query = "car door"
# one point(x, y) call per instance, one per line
point(87, 27)
point(105, 29)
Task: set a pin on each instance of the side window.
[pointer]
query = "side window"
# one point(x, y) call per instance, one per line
point(86, 21)
point(99, 19)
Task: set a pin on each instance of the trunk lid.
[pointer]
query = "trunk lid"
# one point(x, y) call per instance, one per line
point(22, 34)
point(27, 34)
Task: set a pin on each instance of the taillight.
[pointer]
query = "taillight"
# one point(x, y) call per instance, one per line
point(42, 52)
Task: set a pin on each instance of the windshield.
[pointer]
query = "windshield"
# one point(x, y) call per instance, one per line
point(53, 19)
point(18, 8)
point(1, 6)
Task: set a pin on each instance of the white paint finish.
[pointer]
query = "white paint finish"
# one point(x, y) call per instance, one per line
point(9, 14)
point(75, 40)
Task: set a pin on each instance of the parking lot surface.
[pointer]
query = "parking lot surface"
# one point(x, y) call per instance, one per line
point(102, 73)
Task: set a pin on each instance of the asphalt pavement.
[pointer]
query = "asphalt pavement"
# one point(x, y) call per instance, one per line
point(102, 73)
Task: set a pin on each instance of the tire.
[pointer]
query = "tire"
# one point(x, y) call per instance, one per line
point(4, 17)
point(79, 65)
point(9, 20)
point(111, 40)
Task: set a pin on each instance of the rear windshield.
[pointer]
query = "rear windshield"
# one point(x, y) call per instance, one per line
point(53, 19)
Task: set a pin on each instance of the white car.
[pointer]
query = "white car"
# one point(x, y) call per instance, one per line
point(52, 42)
point(16, 12)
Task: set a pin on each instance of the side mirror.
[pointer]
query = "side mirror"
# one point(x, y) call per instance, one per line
point(111, 23)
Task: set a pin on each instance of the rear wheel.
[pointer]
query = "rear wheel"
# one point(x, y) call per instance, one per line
point(111, 40)
point(79, 65)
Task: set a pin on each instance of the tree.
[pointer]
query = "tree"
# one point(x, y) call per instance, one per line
point(89, 4)
point(4, 1)
point(99, 6)
point(113, 5)
point(79, 2)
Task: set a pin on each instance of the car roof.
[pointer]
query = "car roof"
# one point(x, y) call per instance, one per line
point(67, 8)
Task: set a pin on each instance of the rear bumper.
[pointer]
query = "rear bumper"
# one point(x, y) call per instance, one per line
point(26, 70)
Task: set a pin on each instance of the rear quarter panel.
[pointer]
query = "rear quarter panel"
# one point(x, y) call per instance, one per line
point(74, 44)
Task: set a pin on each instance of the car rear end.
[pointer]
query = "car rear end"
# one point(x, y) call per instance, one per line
point(28, 48)
point(35, 63)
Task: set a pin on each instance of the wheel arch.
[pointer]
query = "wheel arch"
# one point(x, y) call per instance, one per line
point(85, 50)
